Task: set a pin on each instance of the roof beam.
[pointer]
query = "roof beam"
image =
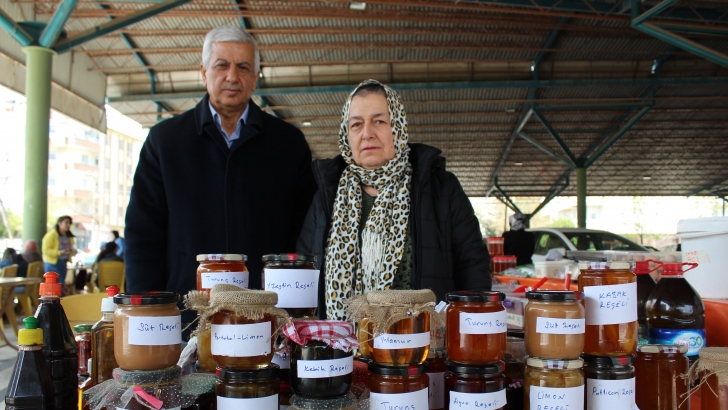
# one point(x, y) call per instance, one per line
point(54, 27)
point(15, 31)
point(555, 135)
point(709, 187)
point(552, 154)
point(616, 136)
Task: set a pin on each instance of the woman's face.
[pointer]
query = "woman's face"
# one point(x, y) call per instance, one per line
point(370, 135)
point(64, 226)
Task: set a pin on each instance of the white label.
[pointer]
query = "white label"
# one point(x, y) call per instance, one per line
point(155, 330)
point(483, 323)
point(260, 403)
point(437, 390)
point(467, 401)
point(296, 288)
point(283, 360)
point(514, 319)
point(610, 394)
point(611, 304)
point(556, 326)
point(570, 398)
point(696, 257)
point(317, 369)
point(210, 279)
point(241, 340)
point(392, 341)
point(403, 401)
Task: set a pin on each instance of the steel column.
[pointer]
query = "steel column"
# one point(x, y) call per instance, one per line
point(54, 27)
point(651, 12)
point(581, 196)
point(15, 31)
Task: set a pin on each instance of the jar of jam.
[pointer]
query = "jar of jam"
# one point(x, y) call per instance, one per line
point(498, 264)
point(295, 279)
point(248, 389)
point(610, 296)
point(476, 327)
point(225, 268)
point(553, 384)
point(164, 385)
point(495, 246)
point(554, 327)
point(346, 402)
point(204, 354)
point(284, 395)
point(320, 371)
point(658, 371)
point(399, 386)
point(610, 382)
point(83, 340)
point(363, 336)
point(482, 386)
point(511, 262)
point(436, 373)
point(515, 360)
point(714, 387)
point(147, 330)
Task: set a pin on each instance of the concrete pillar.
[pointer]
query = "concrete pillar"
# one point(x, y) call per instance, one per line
point(39, 65)
point(581, 196)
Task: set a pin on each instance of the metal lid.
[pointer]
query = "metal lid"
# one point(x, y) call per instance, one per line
point(334, 403)
point(554, 295)
point(607, 360)
point(221, 257)
point(82, 328)
point(613, 265)
point(662, 349)
point(473, 296)
point(288, 257)
point(413, 370)
point(146, 298)
point(555, 364)
point(486, 369)
point(266, 373)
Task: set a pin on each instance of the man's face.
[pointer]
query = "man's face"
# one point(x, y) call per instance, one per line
point(230, 77)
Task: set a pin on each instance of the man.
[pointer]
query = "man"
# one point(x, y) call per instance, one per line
point(119, 241)
point(518, 241)
point(30, 252)
point(224, 177)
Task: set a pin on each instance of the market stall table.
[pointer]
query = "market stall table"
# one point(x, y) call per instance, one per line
point(11, 284)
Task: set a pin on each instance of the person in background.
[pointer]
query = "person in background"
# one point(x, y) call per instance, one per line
point(30, 252)
point(58, 247)
point(518, 242)
point(119, 244)
point(109, 254)
point(10, 257)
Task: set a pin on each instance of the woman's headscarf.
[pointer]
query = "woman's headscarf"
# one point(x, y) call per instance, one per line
point(349, 270)
point(517, 221)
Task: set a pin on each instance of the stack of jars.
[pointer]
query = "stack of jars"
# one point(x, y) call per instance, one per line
point(495, 248)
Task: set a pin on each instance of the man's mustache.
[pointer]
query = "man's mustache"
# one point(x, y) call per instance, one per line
point(232, 87)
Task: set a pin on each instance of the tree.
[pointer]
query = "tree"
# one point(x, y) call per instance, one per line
point(15, 223)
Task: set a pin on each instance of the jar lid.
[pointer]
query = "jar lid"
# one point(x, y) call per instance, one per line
point(221, 257)
point(136, 377)
point(472, 296)
point(82, 328)
point(662, 349)
point(495, 239)
point(608, 361)
point(335, 403)
point(412, 370)
point(554, 295)
point(612, 265)
point(288, 257)
point(499, 258)
point(490, 368)
point(555, 364)
point(146, 298)
point(266, 373)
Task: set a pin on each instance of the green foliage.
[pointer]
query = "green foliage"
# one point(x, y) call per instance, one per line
point(562, 223)
point(16, 225)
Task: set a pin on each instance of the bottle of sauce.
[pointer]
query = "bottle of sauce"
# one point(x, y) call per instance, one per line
point(83, 341)
point(103, 361)
point(645, 286)
point(675, 312)
point(59, 345)
point(30, 386)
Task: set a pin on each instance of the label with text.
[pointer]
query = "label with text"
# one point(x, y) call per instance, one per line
point(468, 401)
point(403, 401)
point(394, 341)
point(437, 390)
point(610, 394)
point(210, 279)
point(317, 369)
point(556, 326)
point(483, 323)
point(260, 403)
point(296, 288)
point(155, 330)
point(567, 398)
point(241, 340)
point(611, 304)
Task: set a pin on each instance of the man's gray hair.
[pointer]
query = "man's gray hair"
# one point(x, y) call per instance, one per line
point(228, 34)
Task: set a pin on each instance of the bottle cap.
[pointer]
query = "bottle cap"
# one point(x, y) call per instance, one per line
point(51, 287)
point(643, 267)
point(31, 335)
point(107, 304)
point(82, 328)
point(676, 269)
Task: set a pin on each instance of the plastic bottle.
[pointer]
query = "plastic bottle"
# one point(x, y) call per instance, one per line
point(59, 344)
point(675, 312)
point(645, 286)
point(103, 361)
point(30, 386)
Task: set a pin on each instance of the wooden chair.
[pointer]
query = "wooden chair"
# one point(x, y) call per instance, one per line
point(28, 298)
point(83, 309)
point(111, 273)
point(10, 271)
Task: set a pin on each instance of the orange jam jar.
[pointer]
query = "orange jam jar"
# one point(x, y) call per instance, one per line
point(225, 268)
point(554, 324)
point(476, 327)
point(660, 380)
point(401, 387)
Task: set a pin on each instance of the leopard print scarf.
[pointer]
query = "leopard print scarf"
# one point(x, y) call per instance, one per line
point(349, 270)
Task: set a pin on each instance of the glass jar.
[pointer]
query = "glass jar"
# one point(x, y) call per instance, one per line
point(495, 246)
point(554, 324)
point(83, 340)
point(248, 389)
point(610, 382)
point(399, 386)
point(226, 268)
point(363, 336)
point(436, 373)
point(476, 327)
point(321, 371)
point(553, 384)
point(164, 385)
point(714, 388)
point(147, 330)
point(658, 370)
point(515, 360)
point(345, 402)
point(498, 264)
point(283, 360)
point(284, 395)
point(481, 386)
point(511, 262)
point(295, 279)
point(610, 296)
point(204, 352)
point(205, 401)
point(413, 334)
point(239, 343)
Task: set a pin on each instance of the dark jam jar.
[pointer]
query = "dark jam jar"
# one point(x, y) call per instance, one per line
point(295, 279)
point(475, 387)
point(248, 389)
point(398, 386)
point(610, 382)
point(346, 402)
point(320, 371)
point(476, 327)
point(660, 372)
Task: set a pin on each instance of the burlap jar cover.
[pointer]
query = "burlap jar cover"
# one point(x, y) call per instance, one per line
point(712, 361)
point(384, 308)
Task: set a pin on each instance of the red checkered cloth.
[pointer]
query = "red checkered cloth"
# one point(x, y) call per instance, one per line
point(336, 334)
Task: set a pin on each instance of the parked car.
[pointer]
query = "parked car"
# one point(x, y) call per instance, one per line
point(579, 239)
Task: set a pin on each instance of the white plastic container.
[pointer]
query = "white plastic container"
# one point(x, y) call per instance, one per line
point(705, 241)
point(551, 269)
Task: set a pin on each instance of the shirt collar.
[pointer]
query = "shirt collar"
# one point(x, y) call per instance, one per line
point(241, 121)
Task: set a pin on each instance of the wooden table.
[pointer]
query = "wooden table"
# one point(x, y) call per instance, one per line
point(12, 283)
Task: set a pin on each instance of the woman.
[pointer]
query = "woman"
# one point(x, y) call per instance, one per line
point(10, 257)
point(108, 254)
point(58, 247)
point(387, 215)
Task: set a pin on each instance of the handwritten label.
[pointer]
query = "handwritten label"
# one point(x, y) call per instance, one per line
point(155, 330)
point(282, 359)
point(483, 323)
point(611, 304)
point(317, 369)
point(610, 394)
point(514, 320)
point(696, 257)
point(210, 279)
point(241, 340)
point(543, 398)
point(467, 401)
point(437, 390)
point(393, 341)
point(403, 401)
point(260, 403)
point(556, 326)
point(296, 288)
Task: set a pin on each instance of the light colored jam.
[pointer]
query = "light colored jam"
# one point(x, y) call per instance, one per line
point(246, 358)
point(554, 325)
point(386, 354)
point(549, 379)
